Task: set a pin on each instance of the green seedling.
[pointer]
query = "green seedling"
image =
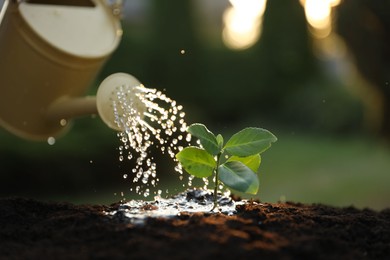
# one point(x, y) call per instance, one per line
point(241, 155)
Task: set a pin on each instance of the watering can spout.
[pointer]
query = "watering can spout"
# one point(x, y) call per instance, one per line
point(64, 109)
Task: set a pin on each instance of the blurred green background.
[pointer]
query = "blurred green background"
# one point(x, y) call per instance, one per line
point(321, 86)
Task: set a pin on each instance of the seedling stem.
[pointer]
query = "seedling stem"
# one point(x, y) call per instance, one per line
point(216, 182)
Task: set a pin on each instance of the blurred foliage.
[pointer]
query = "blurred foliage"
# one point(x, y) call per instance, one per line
point(278, 80)
point(365, 27)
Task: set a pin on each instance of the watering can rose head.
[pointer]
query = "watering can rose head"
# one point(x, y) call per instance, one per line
point(243, 149)
point(119, 88)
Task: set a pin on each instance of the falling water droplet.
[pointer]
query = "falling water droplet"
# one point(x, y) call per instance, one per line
point(63, 122)
point(51, 140)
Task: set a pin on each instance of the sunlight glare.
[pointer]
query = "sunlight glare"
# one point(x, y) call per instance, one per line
point(242, 23)
point(334, 3)
point(252, 8)
point(319, 16)
point(318, 13)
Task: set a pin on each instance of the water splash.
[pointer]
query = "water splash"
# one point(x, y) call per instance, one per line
point(149, 119)
point(192, 200)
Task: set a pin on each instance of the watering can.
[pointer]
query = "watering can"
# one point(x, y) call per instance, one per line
point(50, 53)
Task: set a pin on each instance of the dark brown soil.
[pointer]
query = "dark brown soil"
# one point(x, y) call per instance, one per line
point(31, 229)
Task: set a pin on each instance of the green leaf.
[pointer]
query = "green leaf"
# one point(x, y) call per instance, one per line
point(206, 138)
point(250, 141)
point(196, 161)
point(220, 142)
point(252, 162)
point(238, 176)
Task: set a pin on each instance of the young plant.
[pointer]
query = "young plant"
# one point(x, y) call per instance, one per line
point(239, 170)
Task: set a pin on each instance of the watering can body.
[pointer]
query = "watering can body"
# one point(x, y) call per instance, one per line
point(49, 53)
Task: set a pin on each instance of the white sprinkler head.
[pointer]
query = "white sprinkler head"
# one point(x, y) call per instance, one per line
point(107, 95)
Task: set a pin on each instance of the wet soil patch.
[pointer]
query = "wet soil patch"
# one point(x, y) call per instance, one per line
point(31, 229)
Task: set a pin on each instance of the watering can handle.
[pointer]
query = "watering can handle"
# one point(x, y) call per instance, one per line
point(3, 9)
point(115, 5)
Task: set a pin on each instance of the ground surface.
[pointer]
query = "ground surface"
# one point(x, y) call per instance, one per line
point(31, 229)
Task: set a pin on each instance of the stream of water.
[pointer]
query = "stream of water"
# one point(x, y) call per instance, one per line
point(149, 119)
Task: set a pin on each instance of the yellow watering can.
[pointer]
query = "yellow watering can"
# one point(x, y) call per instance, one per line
point(50, 53)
